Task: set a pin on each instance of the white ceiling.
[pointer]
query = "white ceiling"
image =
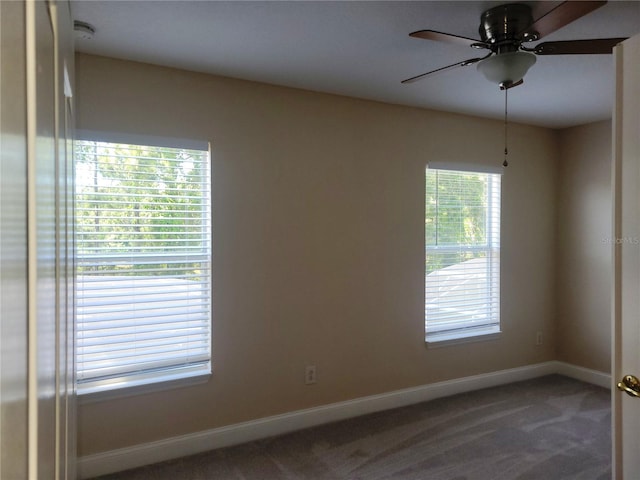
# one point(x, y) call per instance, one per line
point(362, 49)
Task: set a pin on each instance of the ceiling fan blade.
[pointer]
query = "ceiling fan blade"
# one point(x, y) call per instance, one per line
point(559, 16)
point(445, 37)
point(578, 47)
point(464, 63)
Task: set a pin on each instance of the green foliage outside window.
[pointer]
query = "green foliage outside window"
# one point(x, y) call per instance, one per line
point(140, 201)
point(455, 217)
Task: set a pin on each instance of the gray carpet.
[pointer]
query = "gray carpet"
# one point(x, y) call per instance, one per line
point(550, 428)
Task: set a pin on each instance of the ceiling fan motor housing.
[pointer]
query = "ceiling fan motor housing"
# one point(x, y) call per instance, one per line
point(505, 28)
point(501, 27)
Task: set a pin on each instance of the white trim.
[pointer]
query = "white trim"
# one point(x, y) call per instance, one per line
point(492, 333)
point(584, 374)
point(142, 139)
point(465, 167)
point(138, 455)
point(68, 90)
point(32, 240)
point(178, 381)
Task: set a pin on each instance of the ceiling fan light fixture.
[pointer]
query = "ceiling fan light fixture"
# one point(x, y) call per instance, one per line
point(506, 68)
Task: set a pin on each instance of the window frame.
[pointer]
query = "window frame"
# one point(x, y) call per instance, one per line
point(491, 329)
point(172, 376)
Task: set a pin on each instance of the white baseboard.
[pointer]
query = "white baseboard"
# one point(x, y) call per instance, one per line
point(584, 374)
point(175, 447)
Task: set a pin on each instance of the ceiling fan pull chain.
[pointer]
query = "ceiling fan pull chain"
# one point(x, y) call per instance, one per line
point(506, 150)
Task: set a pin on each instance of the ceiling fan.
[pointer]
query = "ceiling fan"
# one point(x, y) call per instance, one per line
point(504, 31)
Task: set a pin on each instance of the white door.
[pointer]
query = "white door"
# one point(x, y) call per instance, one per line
point(36, 265)
point(626, 231)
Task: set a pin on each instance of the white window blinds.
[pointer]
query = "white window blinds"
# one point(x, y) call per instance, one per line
point(462, 229)
point(143, 240)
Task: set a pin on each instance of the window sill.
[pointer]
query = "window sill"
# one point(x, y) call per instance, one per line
point(142, 389)
point(460, 339)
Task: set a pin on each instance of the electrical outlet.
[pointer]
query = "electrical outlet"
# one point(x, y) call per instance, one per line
point(539, 338)
point(310, 375)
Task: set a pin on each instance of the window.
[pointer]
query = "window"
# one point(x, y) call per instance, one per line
point(462, 227)
point(143, 241)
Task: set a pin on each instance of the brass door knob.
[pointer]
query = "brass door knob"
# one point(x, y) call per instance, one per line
point(630, 385)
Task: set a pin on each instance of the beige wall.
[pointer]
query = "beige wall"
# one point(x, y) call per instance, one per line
point(584, 251)
point(318, 251)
